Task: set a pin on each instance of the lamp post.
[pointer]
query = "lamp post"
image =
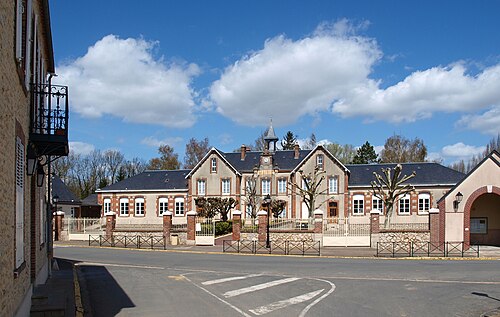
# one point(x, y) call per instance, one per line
point(267, 201)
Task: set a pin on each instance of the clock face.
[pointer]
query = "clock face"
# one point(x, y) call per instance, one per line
point(266, 160)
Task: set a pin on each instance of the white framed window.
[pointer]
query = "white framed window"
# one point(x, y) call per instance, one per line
point(106, 206)
point(424, 203)
point(123, 206)
point(333, 185)
point(358, 205)
point(404, 205)
point(226, 186)
point(19, 202)
point(162, 206)
point(266, 187)
point(378, 204)
point(213, 165)
point(319, 161)
point(139, 207)
point(179, 206)
point(202, 185)
point(282, 186)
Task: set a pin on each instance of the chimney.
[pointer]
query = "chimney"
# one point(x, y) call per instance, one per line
point(243, 152)
point(296, 148)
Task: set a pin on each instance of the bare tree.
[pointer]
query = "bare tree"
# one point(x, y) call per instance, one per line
point(168, 160)
point(398, 149)
point(344, 153)
point(389, 188)
point(260, 142)
point(113, 160)
point(251, 197)
point(195, 151)
point(310, 188)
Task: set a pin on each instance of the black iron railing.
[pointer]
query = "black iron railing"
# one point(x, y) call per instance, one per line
point(426, 249)
point(283, 247)
point(49, 109)
point(124, 241)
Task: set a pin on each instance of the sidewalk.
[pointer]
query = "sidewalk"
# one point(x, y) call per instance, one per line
point(486, 252)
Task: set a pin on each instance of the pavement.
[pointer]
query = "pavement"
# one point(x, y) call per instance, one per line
point(64, 294)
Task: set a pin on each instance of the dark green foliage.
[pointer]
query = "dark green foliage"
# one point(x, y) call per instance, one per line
point(289, 141)
point(223, 227)
point(365, 155)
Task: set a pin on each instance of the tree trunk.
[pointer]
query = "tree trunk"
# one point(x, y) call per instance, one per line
point(388, 216)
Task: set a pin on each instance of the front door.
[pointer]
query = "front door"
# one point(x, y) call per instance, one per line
point(333, 209)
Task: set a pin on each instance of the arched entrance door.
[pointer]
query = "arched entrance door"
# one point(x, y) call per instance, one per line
point(485, 220)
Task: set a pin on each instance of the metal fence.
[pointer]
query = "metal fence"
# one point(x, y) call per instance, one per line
point(84, 225)
point(426, 249)
point(283, 224)
point(125, 241)
point(283, 247)
point(205, 227)
point(342, 227)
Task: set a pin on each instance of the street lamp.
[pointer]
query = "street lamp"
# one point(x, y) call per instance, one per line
point(458, 199)
point(55, 200)
point(267, 201)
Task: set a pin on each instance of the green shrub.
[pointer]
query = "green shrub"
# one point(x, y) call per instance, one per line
point(223, 227)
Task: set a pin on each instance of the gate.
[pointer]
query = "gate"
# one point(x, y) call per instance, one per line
point(205, 231)
point(340, 232)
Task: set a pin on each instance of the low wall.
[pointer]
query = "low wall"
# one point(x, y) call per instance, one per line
point(404, 236)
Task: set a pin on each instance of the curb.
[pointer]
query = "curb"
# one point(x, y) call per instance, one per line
point(79, 311)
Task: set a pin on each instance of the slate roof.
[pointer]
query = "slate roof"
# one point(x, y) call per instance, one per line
point(63, 192)
point(427, 173)
point(90, 200)
point(152, 180)
point(283, 159)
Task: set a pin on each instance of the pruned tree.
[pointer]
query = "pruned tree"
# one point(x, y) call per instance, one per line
point(195, 151)
point(168, 160)
point(252, 197)
point(365, 155)
point(310, 188)
point(206, 207)
point(277, 207)
point(289, 140)
point(389, 186)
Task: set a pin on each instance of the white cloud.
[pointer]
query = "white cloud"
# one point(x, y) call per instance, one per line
point(80, 148)
point(488, 122)
point(122, 78)
point(288, 79)
point(461, 150)
point(154, 142)
point(378, 148)
point(331, 70)
point(446, 89)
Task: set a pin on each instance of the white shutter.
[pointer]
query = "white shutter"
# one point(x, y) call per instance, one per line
point(29, 43)
point(19, 29)
point(19, 202)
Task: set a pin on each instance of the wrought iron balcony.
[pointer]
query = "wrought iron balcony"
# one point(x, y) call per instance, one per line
point(49, 119)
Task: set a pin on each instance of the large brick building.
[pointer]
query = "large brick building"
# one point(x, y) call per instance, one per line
point(33, 132)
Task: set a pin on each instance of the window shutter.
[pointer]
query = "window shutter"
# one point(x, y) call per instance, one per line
point(19, 202)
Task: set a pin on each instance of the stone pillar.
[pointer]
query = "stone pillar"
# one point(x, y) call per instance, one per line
point(191, 227)
point(374, 227)
point(262, 216)
point(59, 215)
point(434, 226)
point(318, 221)
point(110, 224)
point(167, 226)
point(236, 225)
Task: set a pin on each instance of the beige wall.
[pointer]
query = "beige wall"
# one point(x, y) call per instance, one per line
point(488, 174)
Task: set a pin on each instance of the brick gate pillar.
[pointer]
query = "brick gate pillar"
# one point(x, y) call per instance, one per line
point(191, 227)
point(434, 226)
point(59, 215)
point(110, 224)
point(318, 221)
point(374, 227)
point(236, 225)
point(262, 216)
point(167, 226)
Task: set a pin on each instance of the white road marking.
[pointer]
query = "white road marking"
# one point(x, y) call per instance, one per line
point(121, 265)
point(228, 279)
point(258, 287)
point(284, 303)
point(220, 299)
point(304, 312)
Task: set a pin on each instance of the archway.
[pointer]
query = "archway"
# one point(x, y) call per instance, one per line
point(485, 219)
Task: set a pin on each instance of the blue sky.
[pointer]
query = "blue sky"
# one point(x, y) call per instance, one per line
point(145, 73)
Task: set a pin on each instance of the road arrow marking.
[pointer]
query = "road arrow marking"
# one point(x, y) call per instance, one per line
point(284, 303)
point(259, 287)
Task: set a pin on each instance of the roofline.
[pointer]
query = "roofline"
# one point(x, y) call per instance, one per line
point(326, 150)
point(472, 171)
point(213, 149)
point(50, 47)
point(414, 185)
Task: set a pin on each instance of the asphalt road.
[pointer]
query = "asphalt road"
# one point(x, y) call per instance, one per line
point(156, 283)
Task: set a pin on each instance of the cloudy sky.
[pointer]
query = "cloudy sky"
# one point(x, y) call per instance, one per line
point(145, 74)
